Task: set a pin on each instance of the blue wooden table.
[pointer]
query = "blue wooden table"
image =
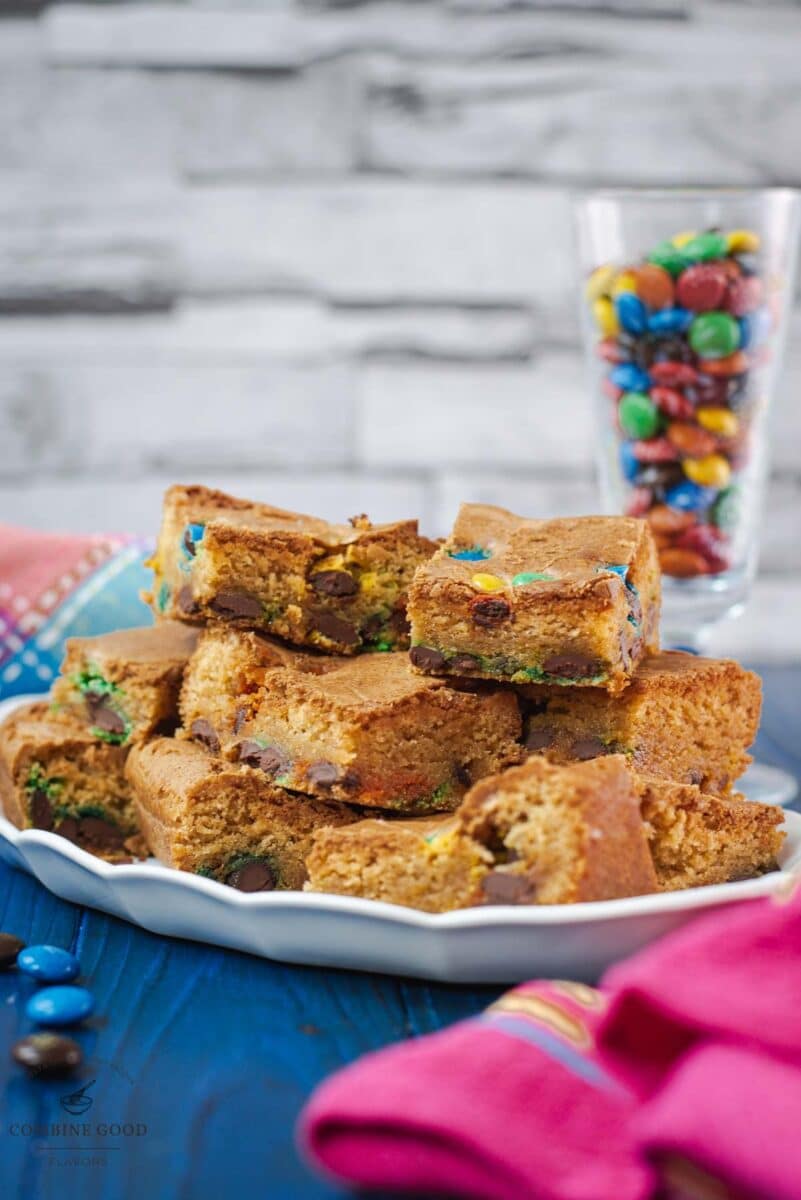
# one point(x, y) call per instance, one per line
point(202, 1058)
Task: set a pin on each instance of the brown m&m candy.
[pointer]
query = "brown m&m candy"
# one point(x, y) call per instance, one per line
point(47, 1054)
point(10, 947)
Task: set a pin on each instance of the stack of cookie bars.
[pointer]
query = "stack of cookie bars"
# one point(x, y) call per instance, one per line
point(357, 709)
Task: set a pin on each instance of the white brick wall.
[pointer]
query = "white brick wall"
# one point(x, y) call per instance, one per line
point(322, 254)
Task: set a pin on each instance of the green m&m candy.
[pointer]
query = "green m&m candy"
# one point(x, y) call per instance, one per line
point(638, 415)
point(705, 246)
point(669, 257)
point(726, 509)
point(714, 335)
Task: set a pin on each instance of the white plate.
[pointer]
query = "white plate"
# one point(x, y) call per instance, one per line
point(479, 945)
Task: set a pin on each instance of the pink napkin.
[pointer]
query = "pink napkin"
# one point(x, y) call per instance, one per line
point(679, 1078)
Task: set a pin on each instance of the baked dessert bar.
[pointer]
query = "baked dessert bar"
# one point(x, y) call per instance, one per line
point(339, 588)
point(423, 862)
point(227, 822)
point(698, 839)
point(573, 601)
point(535, 834)
point(376, 734)
point(225, 673)
point(124, 686)
point(682, 717)
point(55, 776)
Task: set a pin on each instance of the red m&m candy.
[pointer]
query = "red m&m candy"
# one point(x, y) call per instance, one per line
point(674, 404)
point(744, 295)
point(702, 287)
point(673, 374)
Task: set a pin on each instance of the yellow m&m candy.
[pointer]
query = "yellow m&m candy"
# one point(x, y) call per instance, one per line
point(721, 421)
point(599, 282)
point(605, 316)
point(711, 471)
point(742, 241)
point(487, 583)
point(625, 282)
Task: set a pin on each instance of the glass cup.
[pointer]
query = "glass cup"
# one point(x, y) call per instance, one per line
point(685, 299)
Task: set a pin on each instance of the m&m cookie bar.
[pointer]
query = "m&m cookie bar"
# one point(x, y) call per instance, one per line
point(224, 674)
point(56, 776)
point(534, 834)
point(374, 733)
point(224, 821)
point(124, 686)
point(573, 601)
point(682, 717)
point(337, 588)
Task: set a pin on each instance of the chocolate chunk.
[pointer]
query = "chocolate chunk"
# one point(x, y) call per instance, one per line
point(255, 876)
point(10, 947)
point(41, 810)
point(499, 887)
point(571, 666)
point(334, 583)
point(490, 610)
point(463, 775)
point(335, 629)
point(240, 716)
point(186, 601)
point(47, 1054)
point(463, 663)
point(99, 833)
point(323, 773)
point(695, 776)
point(538, 739)
point(266, 758)
point(102, 715)
point(68, 828)
point(188, 544)
point(372, 628)
point(229, 603)
point(203, 731)
point(588, 747)
point(399, 622)
point(426, 659)
point(350, 781)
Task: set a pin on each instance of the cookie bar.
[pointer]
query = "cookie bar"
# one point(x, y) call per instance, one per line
point(124, 686)
point(224, 675)
point(55, 776)
point(698, 839)
point(339, 588)
point(227, 822)
point(376, 734)
point(572, 601)
point(534, 834)
point(682, 717)
point(424, 862)
point(560, 834)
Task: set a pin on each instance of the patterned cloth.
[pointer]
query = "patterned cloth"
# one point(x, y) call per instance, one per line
point(679, 1078)
point(55, 586)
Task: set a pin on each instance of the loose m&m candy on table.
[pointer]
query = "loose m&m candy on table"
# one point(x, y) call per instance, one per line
point(681, 338)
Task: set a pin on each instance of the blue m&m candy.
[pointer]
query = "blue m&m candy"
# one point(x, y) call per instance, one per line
point(670, 320)
point(60, 1006)
point(48, 964)
point(631, 312)
point(629, 464)
point(630, 378)
point(689, 496)
point(755, 327)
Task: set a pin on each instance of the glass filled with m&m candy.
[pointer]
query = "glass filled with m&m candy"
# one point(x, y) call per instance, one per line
point(685, 299)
